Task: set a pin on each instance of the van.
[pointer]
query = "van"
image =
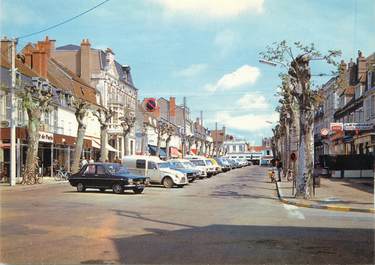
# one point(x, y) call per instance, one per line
point(156, 170)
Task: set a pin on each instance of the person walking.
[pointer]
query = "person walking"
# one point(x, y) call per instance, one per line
point(279, 166)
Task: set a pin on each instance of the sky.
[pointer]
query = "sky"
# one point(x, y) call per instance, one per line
point(206, 50)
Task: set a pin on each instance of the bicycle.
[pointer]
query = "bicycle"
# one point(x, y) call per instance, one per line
point(61, 175)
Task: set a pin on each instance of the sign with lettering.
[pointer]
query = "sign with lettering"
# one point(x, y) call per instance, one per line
point(45, 137)
point(336, 126)
point(357, 126)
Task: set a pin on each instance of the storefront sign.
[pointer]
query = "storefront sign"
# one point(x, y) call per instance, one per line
point(357, 126)
point(336, 126)
point(45, 137)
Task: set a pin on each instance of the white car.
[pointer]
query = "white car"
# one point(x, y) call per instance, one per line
point(203, 163)
point(156, 170)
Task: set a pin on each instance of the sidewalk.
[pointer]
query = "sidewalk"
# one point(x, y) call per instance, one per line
point(46, 181)
point(355, 195)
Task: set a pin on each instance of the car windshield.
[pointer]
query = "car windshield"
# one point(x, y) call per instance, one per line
point(117, 169)
point(177, 164)
point(209, 162)
point(164, 165)
point(187, 164)
point(198, 162)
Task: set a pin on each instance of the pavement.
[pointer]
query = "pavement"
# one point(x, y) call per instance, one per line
point(231, 218)
point(356, 195)
point(4, 186)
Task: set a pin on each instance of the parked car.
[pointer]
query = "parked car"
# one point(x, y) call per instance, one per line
point(190, 172)
point(156, 170)
point(225, 165)
point(104, 176)
point(218, 168)
point(202, 161)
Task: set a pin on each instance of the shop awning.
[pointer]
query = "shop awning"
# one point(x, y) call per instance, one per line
point(174, 152)
point(152, 149)
point(194, 151)
point(112, 149)
point(96, 144)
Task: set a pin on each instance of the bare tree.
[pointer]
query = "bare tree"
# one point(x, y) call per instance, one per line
point(170, 131)
point(81, 110)
point(104, 117)
point(127, 123)
point(36, 100)
point(299, 71)
point(162, 129)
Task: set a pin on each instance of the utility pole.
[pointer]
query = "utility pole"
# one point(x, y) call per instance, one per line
point(184, 133)
point(216, 138)
point(13, 117)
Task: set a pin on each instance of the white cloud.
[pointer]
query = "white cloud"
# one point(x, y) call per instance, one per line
point(244, 75)
point(212, 8)
point(247, 122)
point(226, 41)
point(192, 70)
point(253, 101)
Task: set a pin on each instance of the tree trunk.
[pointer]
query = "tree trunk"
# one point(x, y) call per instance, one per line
point(305, 155)
point(33, 145)
point(126, 150)
point(167, 147)
point(286, 164)
point(78, 148)
point(158, 145)
point(103, 143)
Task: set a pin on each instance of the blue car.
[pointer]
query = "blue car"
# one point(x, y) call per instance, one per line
point(191, 174)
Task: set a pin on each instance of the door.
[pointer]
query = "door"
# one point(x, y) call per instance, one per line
point(153, 172)
point(88, 176)
point(101, 179)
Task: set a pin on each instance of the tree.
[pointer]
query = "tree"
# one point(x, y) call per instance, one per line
point(127, 123)
point(162, 129)
point(36, 101)
point(81, 110)
point(299, 71)
point(104, 117)
point(170, 131)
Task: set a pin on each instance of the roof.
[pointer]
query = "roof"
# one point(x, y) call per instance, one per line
point(69, 47)
point(22, 68)
point(258, 148)
point(63, 78)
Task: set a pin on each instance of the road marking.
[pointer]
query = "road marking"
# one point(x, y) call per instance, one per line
point(293, 212)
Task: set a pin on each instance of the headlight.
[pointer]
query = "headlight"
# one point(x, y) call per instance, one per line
point(130, 181)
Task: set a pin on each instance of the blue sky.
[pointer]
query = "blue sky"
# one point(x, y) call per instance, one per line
point(205, 50)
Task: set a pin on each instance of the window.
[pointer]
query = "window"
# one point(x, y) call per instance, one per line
point(151, 165)
point(90, 169)
point(140, 163)
point(372, 104)
point(100, 170)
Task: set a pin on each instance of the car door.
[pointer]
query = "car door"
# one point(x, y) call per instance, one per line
point(153, 172)
point(101, 178)
point(89, 175)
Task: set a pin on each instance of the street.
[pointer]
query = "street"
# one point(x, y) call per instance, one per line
point(233, 217)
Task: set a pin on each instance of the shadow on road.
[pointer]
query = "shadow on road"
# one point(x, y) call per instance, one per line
point(230, 244)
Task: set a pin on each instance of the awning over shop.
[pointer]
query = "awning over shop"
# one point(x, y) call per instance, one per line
point(193, 151)
point(152, 149)
point(174, 152)
point(96, 144)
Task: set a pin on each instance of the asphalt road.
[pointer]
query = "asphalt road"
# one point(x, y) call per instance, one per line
point(231, 218)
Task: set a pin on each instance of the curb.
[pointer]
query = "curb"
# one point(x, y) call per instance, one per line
point(324, 207)
point(30, 187)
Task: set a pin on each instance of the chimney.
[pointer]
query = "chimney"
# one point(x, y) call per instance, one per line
point(39, 61)
point(172, 109)
point(361, 67)
point(85, 60)
point(6, 48)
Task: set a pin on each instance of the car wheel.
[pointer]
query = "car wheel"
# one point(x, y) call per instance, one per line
point(180, 186)
point(81, 187)
point(102, 190)
point(167, 182)
point(138, 191)
point(118, 189)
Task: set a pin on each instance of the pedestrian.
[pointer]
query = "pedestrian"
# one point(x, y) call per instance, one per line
point(279, 166)
point(83, 162)
point(91, 160)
